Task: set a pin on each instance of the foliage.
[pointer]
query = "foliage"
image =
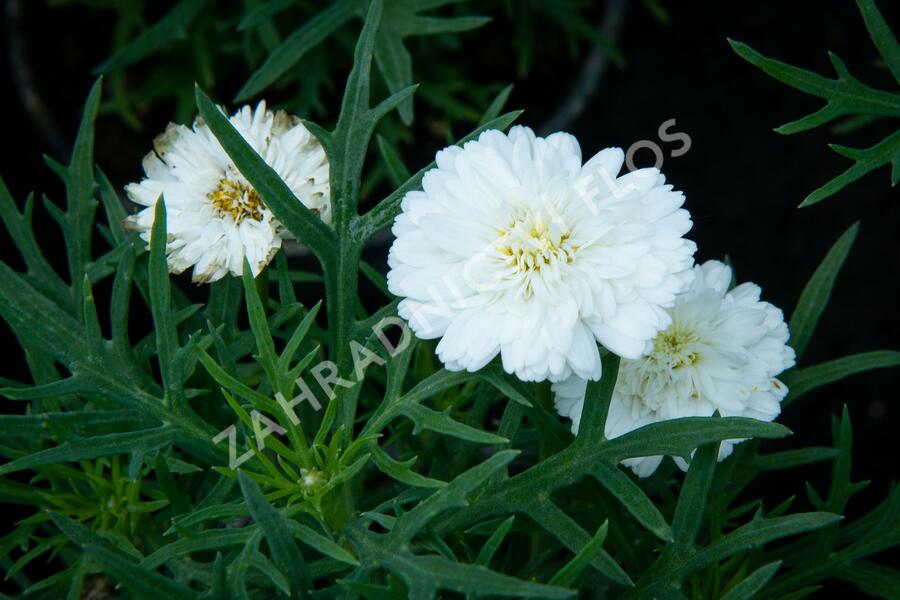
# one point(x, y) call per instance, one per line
point(411, 480)
point(847, 97)
point(298, 50)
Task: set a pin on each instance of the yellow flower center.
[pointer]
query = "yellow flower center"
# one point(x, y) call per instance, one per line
point(237, 199)
point(532, 243)
point(672, 348)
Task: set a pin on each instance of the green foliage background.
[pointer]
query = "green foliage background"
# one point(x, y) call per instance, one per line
point(429, 481)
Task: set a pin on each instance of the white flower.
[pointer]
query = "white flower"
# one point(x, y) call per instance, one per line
point(722, 353)
point(514, 247)
point(214, 217)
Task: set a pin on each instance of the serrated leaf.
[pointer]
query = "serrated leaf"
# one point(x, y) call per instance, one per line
point(78, 222)
point(844, 95)
point(866, 160)
point(442, 422)
point(402, 471)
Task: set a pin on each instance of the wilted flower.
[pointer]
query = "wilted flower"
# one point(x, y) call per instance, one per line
point(514, 247)
point(215, 219)
point(722, 352)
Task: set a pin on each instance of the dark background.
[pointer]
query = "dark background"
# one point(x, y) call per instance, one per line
point(742, 180)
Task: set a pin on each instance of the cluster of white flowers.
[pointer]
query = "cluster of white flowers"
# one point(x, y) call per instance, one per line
point(215, 219)
point(516, 248)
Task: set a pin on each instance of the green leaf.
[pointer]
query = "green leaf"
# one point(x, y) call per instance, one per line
point(172, 27)
point(803, 381)
point(873, 579)
point(441, 422)
point(885, 152)
point(167, 346)
point(569, 573)
point(881, 36)
point(321, 543)
point(633, 499)
point(795, 458)
point(285, 555)
point(493, 543)
point(751, 585)
point(694, 495)
point(397, 171)
point(435, 572)
point(211, 539)
point(453, 495)
point(494, 108)
point(295, 46)
point(402, 471)
point(138, 579)
point(401, 20)
point(570, 534)
point(80, 202)
point(274, 192)
point(755, 534)
point(596, 402)
point(259, 325)
point(844, 95)
point(817, 291)
point(19, 227)
point(395, 65)
point(425, 575)
point(136, 443)
point(63, 424)
point(262, 13)
point(679, 437)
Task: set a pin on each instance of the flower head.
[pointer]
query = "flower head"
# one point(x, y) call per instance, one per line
point(514, 247)
point(722, 352)
point(215, 219)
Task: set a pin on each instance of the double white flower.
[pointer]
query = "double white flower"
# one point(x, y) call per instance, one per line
point(514, 247)
point(722, 353)
point(215, 219)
